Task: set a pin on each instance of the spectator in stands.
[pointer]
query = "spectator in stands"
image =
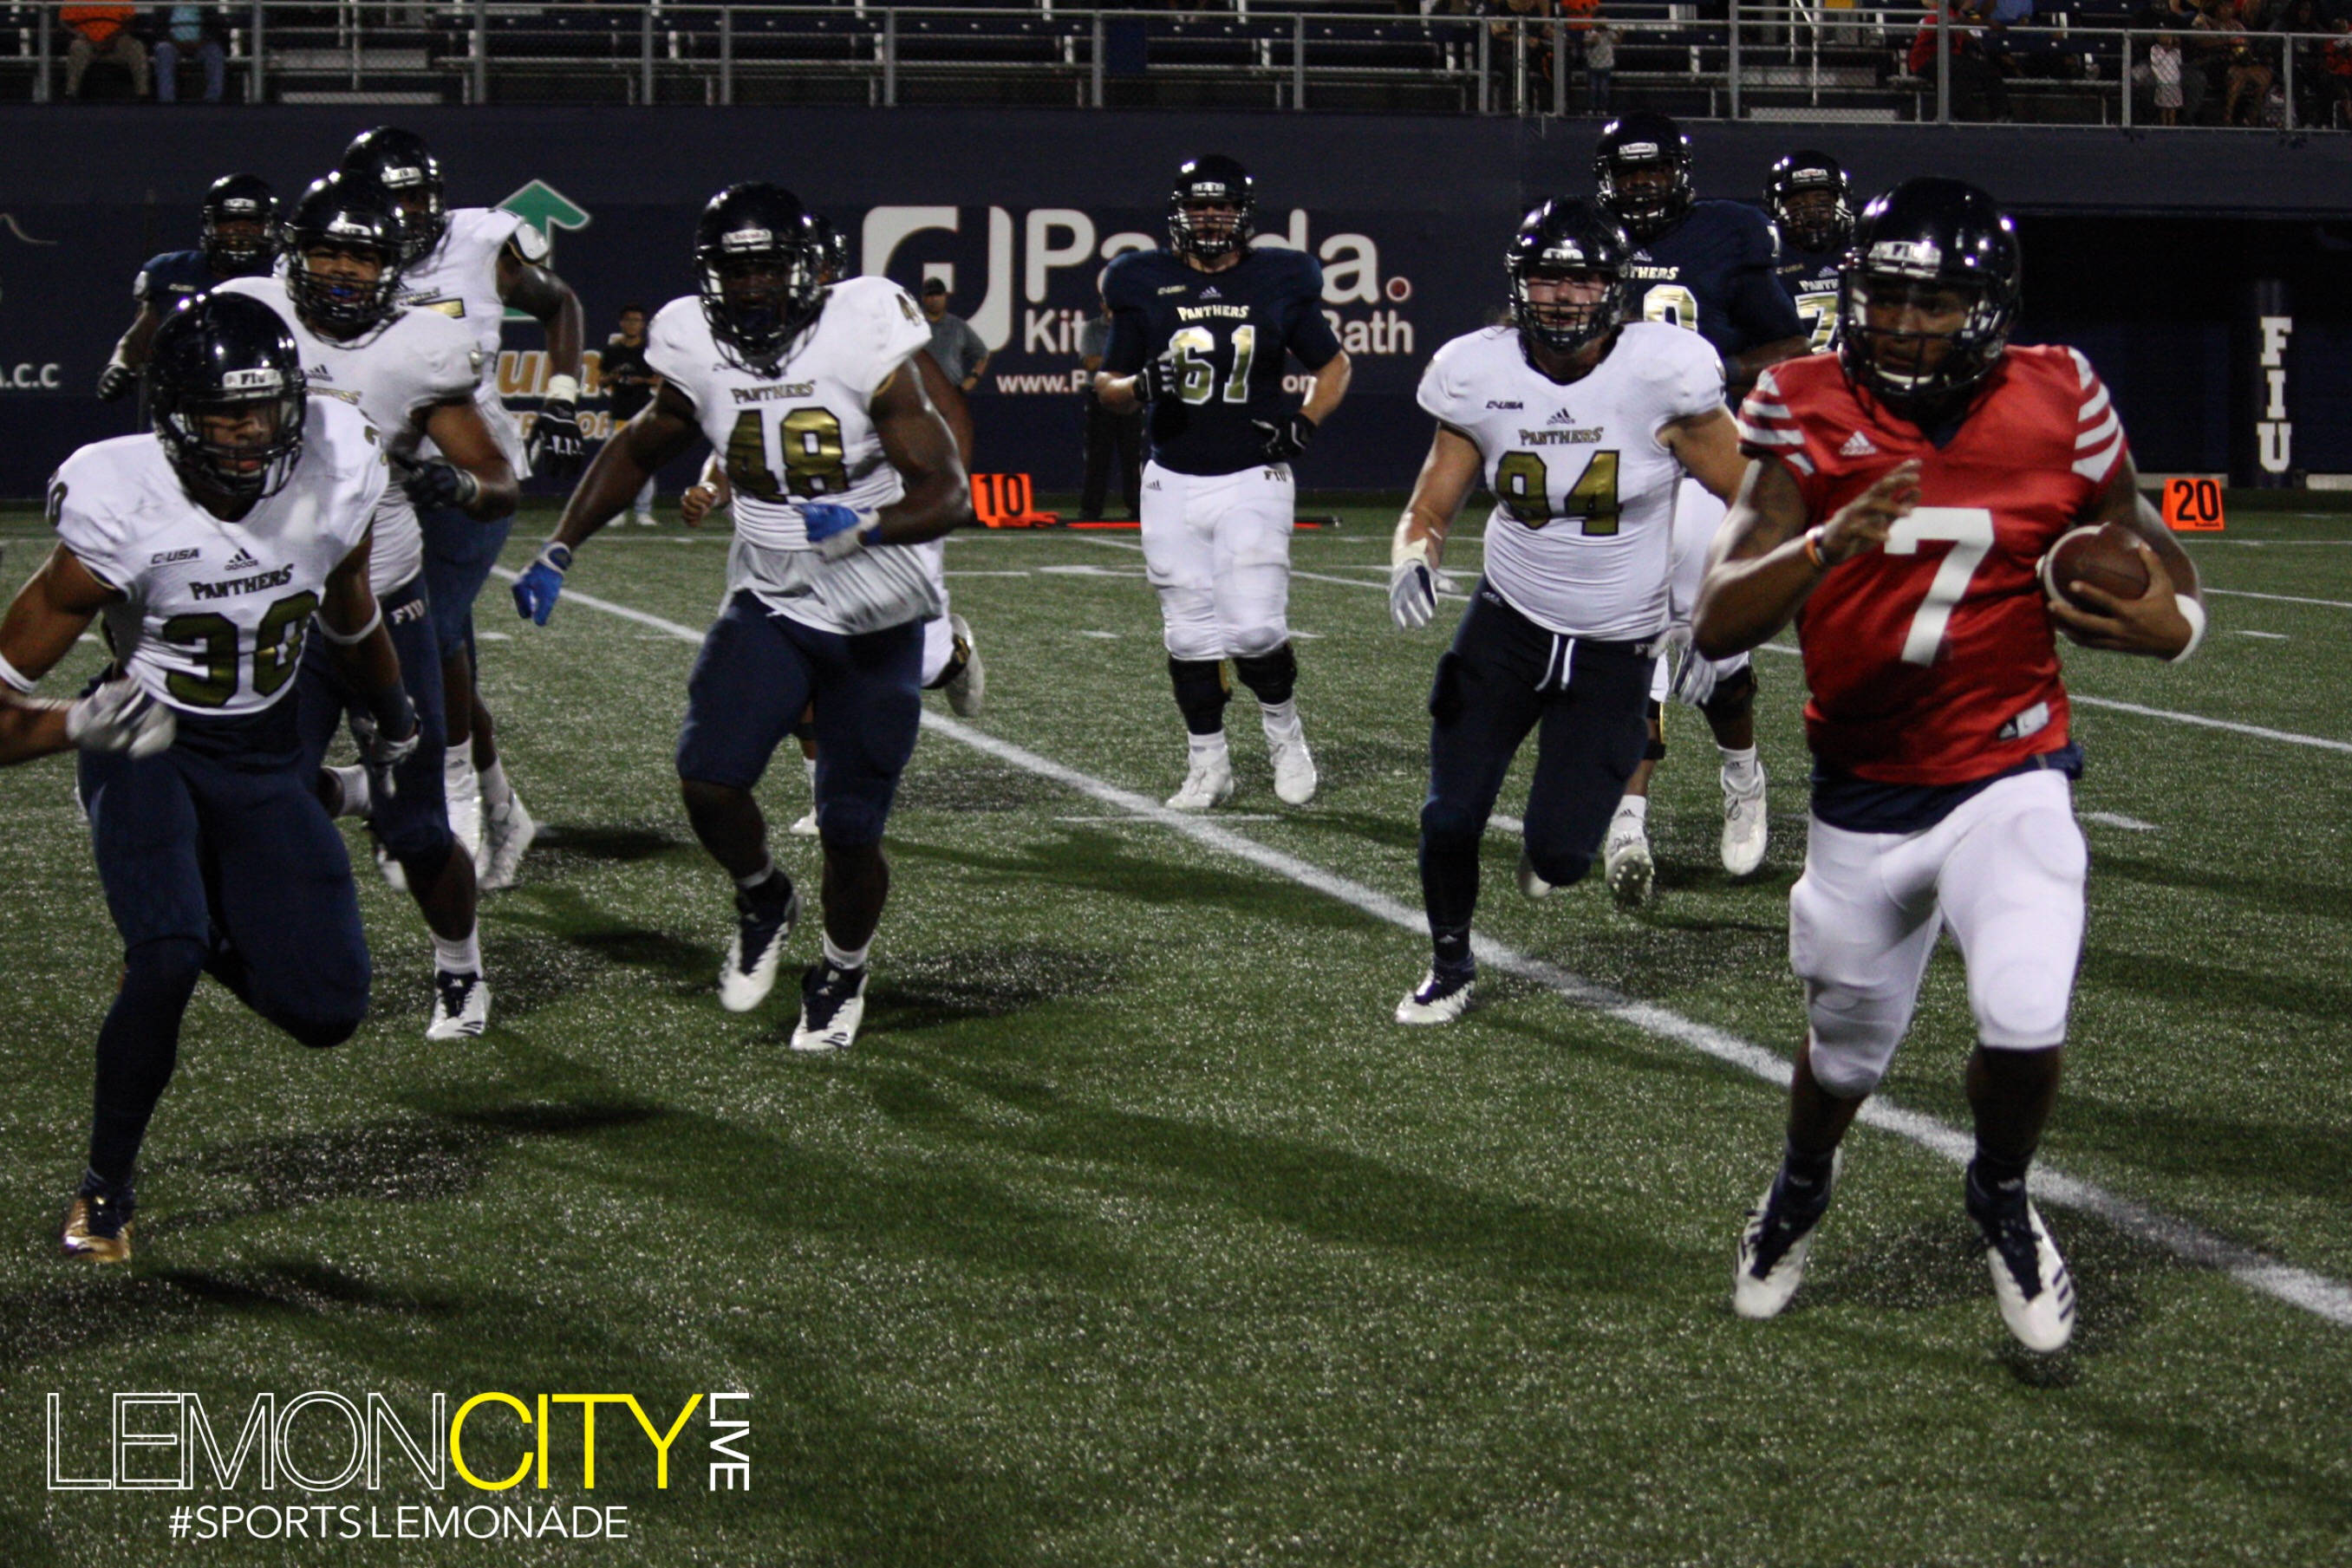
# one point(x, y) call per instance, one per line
point(189, 30)
point(957, 348)
point(1978, 92)
point(102, 33)
point(2299, 19)
point(1511, 18)
point(1110, 437)
point(2164, 71)
point(2335, 76)
point(1599, 66)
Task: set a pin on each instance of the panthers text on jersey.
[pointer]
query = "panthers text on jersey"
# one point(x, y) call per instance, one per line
point(805, 433)
point(1810, 278)
point(392, 374)
point(172, 276)
point(1580, 540)
point(1229, 333)
point(1713, 274)
point(1932, 661)
point(214, 612)
point(459, 277)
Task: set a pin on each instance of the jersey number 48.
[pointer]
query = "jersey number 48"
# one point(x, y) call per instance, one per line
point(811, 448)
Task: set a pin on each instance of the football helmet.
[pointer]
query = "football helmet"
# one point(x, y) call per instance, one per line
point(756, 264)
point(1560, 239)
point(228, 355)
point(403, 164)
point(240, 226)
point(351, 214)
point(1629, 145)
point(1927, 236)
point(1213, 179)
point(1811, 225)
point(832, 248)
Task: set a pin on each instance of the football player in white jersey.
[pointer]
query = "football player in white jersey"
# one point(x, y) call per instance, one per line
point(213, 547)
point(473, 263)
point(412, 373)
point(1582, 423)
point(838, 466)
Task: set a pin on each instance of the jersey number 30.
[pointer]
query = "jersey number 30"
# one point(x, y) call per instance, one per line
point(276, 651)
point(1970, 529)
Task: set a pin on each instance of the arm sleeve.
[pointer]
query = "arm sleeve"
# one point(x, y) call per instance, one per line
point(455, 367)
point(143, 286)
point(1768, 429)
point(670, 358)
point(899, 330)
point(529, 242)
point(1311, 338)
point(92, 532)
point(1695, 384)
point(2099, 443)
point(1441, 393)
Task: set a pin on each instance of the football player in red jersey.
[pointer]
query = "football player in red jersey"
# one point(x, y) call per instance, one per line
point(1909, 487)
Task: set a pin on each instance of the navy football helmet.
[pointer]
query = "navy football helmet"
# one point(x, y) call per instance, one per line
point(1913, 248)
point(1631, 145)
point(757, 267)
point(1794, 195)
point(224, 357)
point(1565, 238)
point(1213, 179)
point(352, 214)
point(240, 226)
point(401, 163)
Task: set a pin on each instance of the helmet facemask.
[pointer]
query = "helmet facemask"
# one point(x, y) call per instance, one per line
point(1565, 307)
point(759, 289)
point(1917, 342)
point(340, 294)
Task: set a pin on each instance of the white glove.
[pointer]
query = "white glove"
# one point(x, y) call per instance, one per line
point(1413, 581)
point(120, 716)
point(1694, 672)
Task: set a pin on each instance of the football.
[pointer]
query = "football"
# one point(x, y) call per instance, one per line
point(2104, 556)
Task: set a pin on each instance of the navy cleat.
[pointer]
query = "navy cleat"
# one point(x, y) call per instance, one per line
point(833, 1004)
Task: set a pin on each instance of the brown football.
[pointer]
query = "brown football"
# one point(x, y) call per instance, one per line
point(2102, 556)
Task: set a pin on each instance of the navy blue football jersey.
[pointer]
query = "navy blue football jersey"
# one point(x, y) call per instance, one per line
point(1229, 332)
point(170, 277)
point(1713, 272)
point(1810, 278)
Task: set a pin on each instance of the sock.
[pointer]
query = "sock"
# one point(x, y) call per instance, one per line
point(138, 1047)
point(1282, 717)
point(1740, 771)
point(358, 799)
point(1451, 948)
point(457, 772)
point(462, 956)
point(1200, 692)
point(2001, 1180)
point(1203, 749)
point(812, 771)
point(751, 883)
point(1449, 892)
point(497, 793)
point(842, 958)
point(1806, 1176)
point(1634, 806)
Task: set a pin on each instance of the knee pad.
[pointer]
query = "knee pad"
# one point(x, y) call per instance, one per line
point(1271, 676)
point(1853, 1035)
point(156, 970)
point(1734, 697)
point(1201, 692)
point(1449, 827)
point(323, 1030)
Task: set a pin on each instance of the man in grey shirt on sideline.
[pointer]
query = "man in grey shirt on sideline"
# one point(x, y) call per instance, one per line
point(1111, 438)
point(954, 344)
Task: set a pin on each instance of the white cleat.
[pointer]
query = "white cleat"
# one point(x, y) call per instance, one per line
point(749, 971)
point(644, 519)
point(507, 836)
point(461, 1006)
point(1744, 828)
point(2029, 1280)
point(806, 827)
point(1625, 862)
point(833, 1004)
point(1531, 882)
point(1208, 782)
point(462, 787)
point(1295, 779)
point(1439, 998)
point(969, 691)
point(1774, 1246)
point(395, 876)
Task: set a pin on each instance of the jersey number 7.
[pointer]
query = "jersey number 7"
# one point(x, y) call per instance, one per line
point(1970, 529)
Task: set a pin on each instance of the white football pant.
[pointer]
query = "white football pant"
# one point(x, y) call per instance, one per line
point(1217, 549)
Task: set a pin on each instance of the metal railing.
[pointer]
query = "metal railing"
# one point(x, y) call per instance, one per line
point(1788, 61)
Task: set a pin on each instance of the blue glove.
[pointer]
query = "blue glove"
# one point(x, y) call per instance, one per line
point(536, 591)
point(837, 530)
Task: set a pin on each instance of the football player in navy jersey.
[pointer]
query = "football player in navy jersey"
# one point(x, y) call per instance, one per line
point(1200, 332)
point(239, 240)
point(1810, 201)
point(1706, 266)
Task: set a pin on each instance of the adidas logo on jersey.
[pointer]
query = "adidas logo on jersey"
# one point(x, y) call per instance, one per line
point(1562, 417)
point(240, 561)
point(318, 373)
point(1212, 292)
point(1857, 445)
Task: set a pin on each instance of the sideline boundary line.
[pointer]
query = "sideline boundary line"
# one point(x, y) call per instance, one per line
point(2316, 1294)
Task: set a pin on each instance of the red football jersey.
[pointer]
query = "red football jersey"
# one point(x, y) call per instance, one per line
point(1933, 661)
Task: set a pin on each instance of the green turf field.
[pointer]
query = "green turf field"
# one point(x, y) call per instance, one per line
point(1134, 1233)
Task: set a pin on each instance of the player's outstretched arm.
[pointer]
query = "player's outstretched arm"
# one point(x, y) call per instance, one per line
point(1767, 560)
point(49, 613)
point(121, 372)
point(949, 399)
point(1707, 446)
point(2167, 622)
point(359, 645)
point(1447, 475)
point(918, 444)
point(658, 437)
point(557, 447)
point(472, 472)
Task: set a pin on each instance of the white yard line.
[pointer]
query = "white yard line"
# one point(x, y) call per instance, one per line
point(2117, 819)
point(2313, 1292)
point(2280, 598)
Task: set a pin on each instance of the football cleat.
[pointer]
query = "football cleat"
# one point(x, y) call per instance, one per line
point(761, 925)
point(461, 1006)
point(2029, 1278)
point(98, 1224)
point(1208, 782)
point(1442, 995)
point(395, 874)
point(464, 789)
point(833, 1004)
point(1531, 881)
point(507, 836)
point(1744, 827)
point(1773, 1246)
point(806, 827)
point(968, 690)
point(1295, 777)
point(644, 519)
point(1625, 862)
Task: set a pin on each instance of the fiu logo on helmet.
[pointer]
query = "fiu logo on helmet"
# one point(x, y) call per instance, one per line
point(261, 379)
point(747, 239)
point(1632, 150)
point(1911, 258)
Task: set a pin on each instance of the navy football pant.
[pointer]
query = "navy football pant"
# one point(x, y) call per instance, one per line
point(413, 823)
point(216, 856)
point(458, 555)
point(758, 670)
point(1505, 676)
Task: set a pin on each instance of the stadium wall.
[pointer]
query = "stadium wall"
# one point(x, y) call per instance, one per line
point(2141, 250)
